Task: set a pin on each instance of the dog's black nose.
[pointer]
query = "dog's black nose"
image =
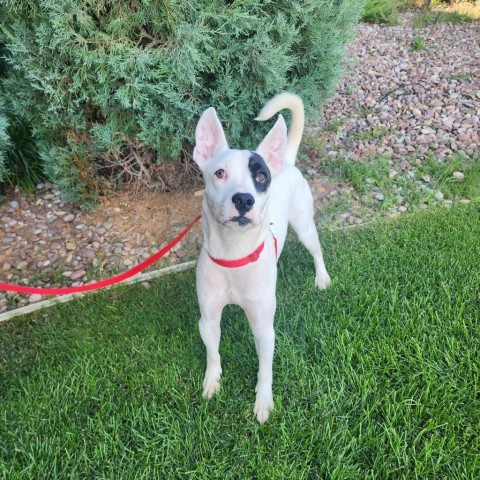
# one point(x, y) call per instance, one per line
point(243, 202)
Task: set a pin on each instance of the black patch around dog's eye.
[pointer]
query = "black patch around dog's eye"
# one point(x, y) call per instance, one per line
point(260, 172)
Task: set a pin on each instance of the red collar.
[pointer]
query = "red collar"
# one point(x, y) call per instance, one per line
point(241, 262)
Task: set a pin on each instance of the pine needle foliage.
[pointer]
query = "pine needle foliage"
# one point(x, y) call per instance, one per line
point(4, 144)
point(100, 79)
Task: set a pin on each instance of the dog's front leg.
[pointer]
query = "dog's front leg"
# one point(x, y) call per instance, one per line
point(261, 323)
point(209, 326)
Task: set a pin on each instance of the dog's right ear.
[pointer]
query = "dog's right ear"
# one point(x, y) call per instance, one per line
point(209, 138)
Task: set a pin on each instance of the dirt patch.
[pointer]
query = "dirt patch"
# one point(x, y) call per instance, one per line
point(149, 217)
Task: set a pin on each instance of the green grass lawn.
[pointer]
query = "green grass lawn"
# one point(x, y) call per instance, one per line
point(376, 377)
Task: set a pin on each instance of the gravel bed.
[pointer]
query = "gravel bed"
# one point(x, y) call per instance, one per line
point(45, 242)
point(406, 103)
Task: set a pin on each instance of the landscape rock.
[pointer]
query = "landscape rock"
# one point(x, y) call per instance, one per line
point(78, 274)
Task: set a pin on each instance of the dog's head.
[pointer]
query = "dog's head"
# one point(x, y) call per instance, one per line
point(237, 181)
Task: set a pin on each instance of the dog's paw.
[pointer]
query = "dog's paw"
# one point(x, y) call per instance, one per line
point(322, 280)
point(263, 407)
point(211, 384)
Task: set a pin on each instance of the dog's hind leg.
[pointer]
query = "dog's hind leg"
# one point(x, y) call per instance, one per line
point(309, 237)
point(301, 219)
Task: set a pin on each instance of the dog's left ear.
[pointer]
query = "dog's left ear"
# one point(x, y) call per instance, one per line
point(274, 145)
point(209, 138)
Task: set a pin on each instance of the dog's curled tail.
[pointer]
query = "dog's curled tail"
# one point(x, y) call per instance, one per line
point(293, 103)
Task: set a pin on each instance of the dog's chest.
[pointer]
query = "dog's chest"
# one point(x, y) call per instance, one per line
point(247, 285)
point(251, 283)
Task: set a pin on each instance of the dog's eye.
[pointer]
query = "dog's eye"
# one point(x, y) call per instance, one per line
point(220, 173)
point(261, 178)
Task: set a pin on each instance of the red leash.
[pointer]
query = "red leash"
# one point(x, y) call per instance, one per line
point(104, 283)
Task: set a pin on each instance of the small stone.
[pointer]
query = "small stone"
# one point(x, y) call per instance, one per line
point(458, 175)
point(70, 246)
point(22, 265)
point(7, 266)
point(68, 218)
point(36, 297)
point(426, 178)
point(87, 252)
point(379, 197)
point(181, 253)
point(145, 285)
point(402, 208)
point(416, 112)
point(14, 204)
point(77, 274)
point(438, 196)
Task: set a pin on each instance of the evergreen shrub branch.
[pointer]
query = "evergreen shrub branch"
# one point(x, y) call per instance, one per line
point(125, 80)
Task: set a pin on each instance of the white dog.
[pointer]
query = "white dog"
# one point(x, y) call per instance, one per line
point(250, 198)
